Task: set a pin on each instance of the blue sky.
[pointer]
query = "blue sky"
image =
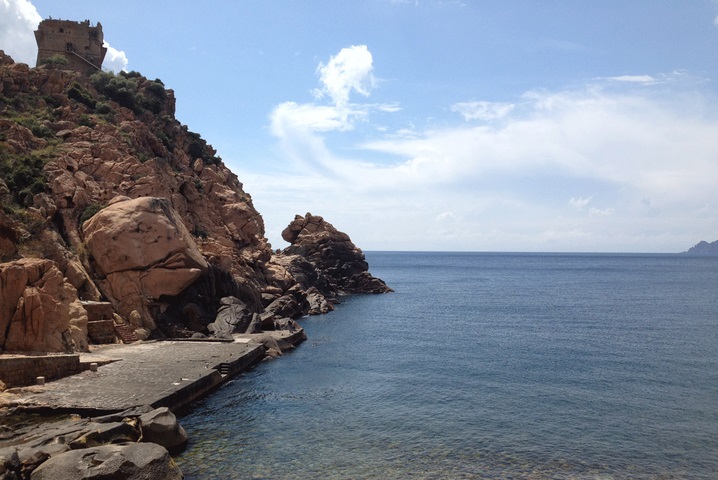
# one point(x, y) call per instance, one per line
point(441, 125)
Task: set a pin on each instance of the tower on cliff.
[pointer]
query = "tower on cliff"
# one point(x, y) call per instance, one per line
point(79, 42)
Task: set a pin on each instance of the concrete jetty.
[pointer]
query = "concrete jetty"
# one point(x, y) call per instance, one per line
point(157, 373)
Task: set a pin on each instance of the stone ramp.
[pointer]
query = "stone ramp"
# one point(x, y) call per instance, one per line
point(161, 374)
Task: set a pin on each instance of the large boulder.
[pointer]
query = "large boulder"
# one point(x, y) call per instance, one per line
point(39, 309)
point(340, 265)
point(142, 252)
point(160, 426)
point(131, 461)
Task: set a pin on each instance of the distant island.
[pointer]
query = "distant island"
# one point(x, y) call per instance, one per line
point(703, 248)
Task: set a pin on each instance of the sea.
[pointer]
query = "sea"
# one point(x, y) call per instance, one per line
point(485, 365)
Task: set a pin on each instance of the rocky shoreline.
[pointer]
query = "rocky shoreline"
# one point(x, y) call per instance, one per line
point(120, 225)
point(117, 416)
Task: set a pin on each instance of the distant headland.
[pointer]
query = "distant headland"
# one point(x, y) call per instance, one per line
point(703, 248)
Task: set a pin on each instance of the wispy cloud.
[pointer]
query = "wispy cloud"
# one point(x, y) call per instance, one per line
point(597, 212)
point(579, 203)
point(481, 110)
point(504, 185)
point(642, 79)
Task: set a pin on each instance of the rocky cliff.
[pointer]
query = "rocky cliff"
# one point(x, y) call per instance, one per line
point(125, 204)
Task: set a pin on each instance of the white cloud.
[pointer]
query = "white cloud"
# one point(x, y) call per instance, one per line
point(445, 216)
point(349, 70)
point(597, 212)
point(579, 203)
point(715, 22)
point(642, 79)
point(18, 21)
point(115, 60)
point(482, 110)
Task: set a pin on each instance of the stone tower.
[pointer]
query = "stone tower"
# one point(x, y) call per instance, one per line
point(79, 42)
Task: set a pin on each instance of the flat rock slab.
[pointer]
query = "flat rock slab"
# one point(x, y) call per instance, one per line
point(166, 373)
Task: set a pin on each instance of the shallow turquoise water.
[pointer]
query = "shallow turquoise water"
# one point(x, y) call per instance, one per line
point(486, 366)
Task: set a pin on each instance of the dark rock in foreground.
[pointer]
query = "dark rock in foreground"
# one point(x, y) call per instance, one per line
point(132, 461)
point(130, 445)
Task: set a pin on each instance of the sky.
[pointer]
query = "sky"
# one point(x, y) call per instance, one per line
point(486, 125)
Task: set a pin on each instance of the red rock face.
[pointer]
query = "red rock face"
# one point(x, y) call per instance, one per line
point(39, 310)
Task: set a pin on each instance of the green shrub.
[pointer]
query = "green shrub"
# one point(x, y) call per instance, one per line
point(90, 211)
point(24, 177)
point(78, 93)
point(56, 61)
point(132, 74)
point(154, 101)
point(165, 139)
point(51, 101)
point(37, 128)
point(198, 149)
point(104, 109)
point(85, 120)
point(199, 232)
point(119, 88)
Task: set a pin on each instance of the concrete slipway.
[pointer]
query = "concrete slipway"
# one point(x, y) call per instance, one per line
point(160, 374)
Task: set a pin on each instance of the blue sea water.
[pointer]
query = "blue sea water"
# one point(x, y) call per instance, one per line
point(485, 366)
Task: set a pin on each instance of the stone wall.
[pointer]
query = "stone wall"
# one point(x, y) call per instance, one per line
point(21, 370)
point(98, 310)
point(101, 331)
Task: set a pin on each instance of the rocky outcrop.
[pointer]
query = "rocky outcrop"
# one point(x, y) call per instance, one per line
point(39, 309)
point(320, 256)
